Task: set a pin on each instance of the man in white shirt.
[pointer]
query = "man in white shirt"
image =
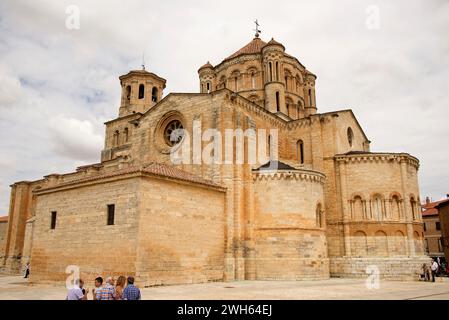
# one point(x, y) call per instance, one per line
point(434, 268)
point(75, 293)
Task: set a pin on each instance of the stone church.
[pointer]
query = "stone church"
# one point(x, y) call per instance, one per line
point(323, 206)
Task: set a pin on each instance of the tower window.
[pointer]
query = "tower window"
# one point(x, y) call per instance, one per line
point(310, 97)
point(286, 83)
point(154, 94)
point(253, 81)
point(300, 151)
point(128, 93)
point(350, 136)
point(111, 213)
point(53, 220)
point(277, 101)
point(437, 225)
point(269, 147)
point(271, 71)
point(116, 138)
point(236, 87)
point(208, 87)
point(277, 71)
point(126, 132)
point(141, 91)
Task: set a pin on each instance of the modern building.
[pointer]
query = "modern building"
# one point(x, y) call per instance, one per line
point(433, 239)
point(443, 212)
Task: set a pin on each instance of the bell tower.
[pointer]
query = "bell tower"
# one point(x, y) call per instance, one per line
point(274, 86)
point(141, 90)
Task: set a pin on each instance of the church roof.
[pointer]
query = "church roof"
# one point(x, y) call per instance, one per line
point(153, 168)
point(274, 42)
point(274, 165)
point(207, 65)
point(255, 46)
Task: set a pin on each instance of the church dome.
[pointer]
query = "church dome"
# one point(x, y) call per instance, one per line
point(255, 46)
point(206, 66)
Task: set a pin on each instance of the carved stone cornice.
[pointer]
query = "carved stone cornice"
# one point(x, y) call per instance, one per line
point(303, 175)
point(378, 157)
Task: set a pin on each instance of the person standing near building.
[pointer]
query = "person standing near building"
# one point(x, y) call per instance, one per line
point(76, 293)
point(27, 270)
point(131, 292)
point(119, 287)
point(108, 291)
point(98, 286)
point(434, 269)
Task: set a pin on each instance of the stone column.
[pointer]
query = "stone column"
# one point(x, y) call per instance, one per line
point(344, 208)
point(407, 213)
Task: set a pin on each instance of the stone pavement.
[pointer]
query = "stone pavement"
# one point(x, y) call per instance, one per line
point(15, 287)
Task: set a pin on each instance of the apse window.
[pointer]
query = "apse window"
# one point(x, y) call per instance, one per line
point(174, 133)
point(111, 214)
point(53, 220)
point(350, 136)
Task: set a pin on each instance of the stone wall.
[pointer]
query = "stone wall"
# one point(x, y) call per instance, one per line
point(3, 232)
point(388, 268)
point(181, 234)
point(290, 241)
point(81, 236)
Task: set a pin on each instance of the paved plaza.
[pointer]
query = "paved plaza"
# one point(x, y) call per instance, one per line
point(17, 288)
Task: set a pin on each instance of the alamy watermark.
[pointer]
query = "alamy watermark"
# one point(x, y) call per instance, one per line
point(235, 146)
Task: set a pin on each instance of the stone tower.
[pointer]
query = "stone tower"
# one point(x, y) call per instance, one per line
point(140, 91)
point(274, 87)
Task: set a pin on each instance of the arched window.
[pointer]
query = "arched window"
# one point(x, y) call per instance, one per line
point(253, 80)
point(288, 109)
point(277, 71)
point(359, 244)
point(319, 216)
point(154, 94)
point(128, 93)
point(358, 214)
point(377, 208)
point(126, 133)
point(208, 87)
point(116, 138)
point(141, 91)
point(277, 102)
point(300, 151)
point(286, 83)
point(395, 208)
point(269, 147)
point(380, 244)
point(271, 70)
point(350, 136)
point(236, 83)
point(413, 207)
point(310, 97)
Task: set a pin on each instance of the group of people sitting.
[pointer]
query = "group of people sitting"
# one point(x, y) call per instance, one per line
point(123, 289)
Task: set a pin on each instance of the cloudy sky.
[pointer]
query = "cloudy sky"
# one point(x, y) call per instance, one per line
point(388, 61)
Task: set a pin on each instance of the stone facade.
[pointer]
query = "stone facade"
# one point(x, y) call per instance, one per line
point(433, 237)
point(3, 230)
point(443, 212)
point(316, 203)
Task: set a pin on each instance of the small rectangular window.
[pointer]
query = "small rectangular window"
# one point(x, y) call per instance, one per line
point(425, 229)
point(437, 226)
point(53, 220)
point(111, 213)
